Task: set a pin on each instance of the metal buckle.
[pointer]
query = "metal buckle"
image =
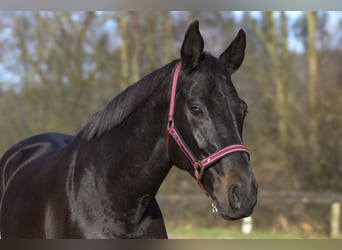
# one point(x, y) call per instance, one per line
point(171, 123)
point(214, 208)
point(199, 169)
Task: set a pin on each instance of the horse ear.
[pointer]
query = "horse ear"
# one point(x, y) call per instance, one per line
point(192, 47)
point(232, 57)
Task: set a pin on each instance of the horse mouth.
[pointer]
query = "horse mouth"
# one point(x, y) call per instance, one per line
point(218, 211)
point(226, 215)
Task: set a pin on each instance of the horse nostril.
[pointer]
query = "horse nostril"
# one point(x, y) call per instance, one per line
point(234, 197)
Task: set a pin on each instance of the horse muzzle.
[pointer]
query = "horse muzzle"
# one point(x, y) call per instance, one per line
point(238, 201)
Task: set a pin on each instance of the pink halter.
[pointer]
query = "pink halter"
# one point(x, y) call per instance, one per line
point(198, 165)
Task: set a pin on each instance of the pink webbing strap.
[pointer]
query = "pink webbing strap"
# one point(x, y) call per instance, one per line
point(173, 92)
point(182, 145)
point(172, 104)
point(222, 153)
point(199, 166)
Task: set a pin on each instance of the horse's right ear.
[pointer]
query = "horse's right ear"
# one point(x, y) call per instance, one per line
point(232, 57)
point(192, 48)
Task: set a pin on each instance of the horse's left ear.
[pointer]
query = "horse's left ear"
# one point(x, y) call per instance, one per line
point(232, 57)
point(192, 48)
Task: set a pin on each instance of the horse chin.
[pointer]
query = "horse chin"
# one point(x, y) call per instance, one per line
point(229, 218)
point(226, 213)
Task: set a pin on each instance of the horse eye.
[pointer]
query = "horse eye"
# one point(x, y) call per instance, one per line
point(196, 110)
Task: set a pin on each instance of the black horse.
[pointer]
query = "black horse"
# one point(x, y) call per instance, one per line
point(102, 182)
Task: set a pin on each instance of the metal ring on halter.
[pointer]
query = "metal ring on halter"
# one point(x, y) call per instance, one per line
point(171, 123)
point(199, 169)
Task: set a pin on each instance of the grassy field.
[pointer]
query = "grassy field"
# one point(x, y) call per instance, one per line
point(220, 233)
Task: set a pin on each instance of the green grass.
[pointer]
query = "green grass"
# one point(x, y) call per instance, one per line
point(221, 233)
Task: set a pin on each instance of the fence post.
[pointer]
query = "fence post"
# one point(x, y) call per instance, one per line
point(247, 225)
point(335, 219)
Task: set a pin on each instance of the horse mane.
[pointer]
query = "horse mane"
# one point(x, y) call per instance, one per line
point(118, 109)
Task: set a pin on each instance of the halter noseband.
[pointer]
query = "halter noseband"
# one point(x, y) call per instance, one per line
point(198, 165)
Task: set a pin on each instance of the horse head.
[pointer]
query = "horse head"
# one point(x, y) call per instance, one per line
point(207, 123)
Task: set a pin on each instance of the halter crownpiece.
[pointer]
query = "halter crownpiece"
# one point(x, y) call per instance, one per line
point(198, 165)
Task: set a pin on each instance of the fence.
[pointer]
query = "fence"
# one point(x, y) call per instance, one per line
point(174, 204)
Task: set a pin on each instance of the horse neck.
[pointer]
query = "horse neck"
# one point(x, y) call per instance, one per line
point(133, 156)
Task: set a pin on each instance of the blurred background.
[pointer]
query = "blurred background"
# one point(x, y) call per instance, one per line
point(58, 68)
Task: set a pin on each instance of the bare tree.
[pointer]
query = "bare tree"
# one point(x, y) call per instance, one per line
point(279, 59)
point(123, 50)
point(311, 19)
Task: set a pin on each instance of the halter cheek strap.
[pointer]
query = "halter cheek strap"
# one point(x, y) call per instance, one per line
point(198, 165)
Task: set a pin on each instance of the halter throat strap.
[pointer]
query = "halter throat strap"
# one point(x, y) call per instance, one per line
point(198, 165)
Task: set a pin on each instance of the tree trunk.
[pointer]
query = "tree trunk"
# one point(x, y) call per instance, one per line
point(135, 76)
point(167, 36)
point(278, 73)
point(311, 19)
point(151, 45)
point(123, 50)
